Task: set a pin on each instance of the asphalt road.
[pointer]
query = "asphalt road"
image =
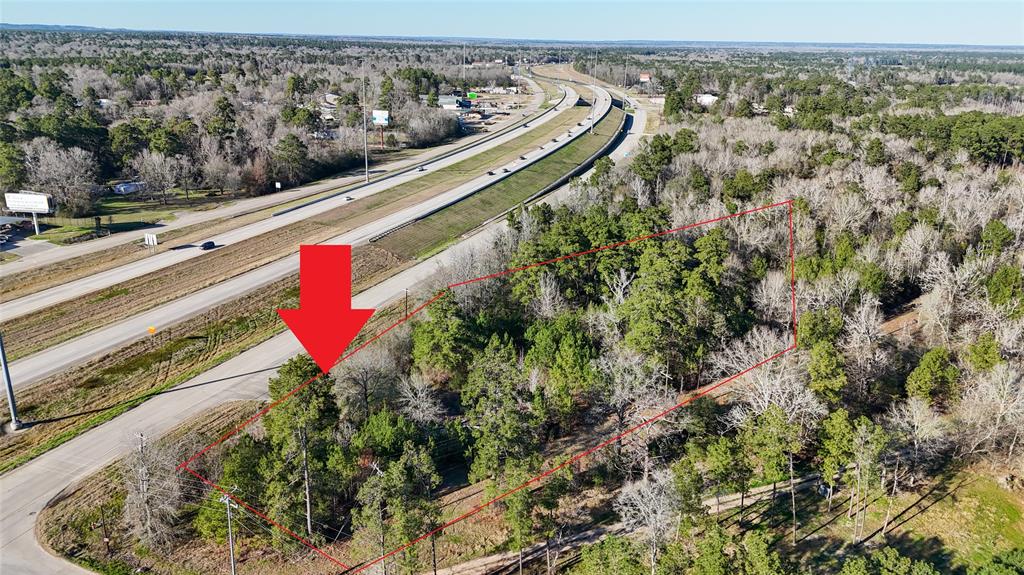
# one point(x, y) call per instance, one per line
point(26, 490)
point(33, 368)
point(105, 279)
point(37, 253)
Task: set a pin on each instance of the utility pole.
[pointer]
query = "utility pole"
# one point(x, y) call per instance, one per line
point(463, 64)
point(15, 422)
point(406, 302)
point(103, 525)
point(231, 534)
point(366, 147)
point(144, 484)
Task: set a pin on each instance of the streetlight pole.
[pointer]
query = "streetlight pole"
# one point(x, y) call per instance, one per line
point(366, 147)
point(15, 422)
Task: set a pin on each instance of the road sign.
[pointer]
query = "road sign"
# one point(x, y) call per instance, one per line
point(25, 201)
point(381, 117)
point(471, 95)
point(150, 239)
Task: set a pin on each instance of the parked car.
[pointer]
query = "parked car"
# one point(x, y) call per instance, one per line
point(205, 246)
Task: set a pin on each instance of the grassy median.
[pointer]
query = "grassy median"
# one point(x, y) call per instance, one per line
point(72, 402)
point(33, 332)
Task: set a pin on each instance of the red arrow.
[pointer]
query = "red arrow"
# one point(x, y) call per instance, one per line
point(325, 322)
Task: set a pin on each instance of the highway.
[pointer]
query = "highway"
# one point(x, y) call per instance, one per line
point(105, 279)
point(33, 368)
point(247, 205)
point(26, 490)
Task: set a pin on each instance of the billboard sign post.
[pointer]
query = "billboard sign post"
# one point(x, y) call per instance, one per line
point(31, 202)
point(381, 118)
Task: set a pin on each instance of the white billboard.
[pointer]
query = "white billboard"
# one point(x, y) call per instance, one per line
point(25, 201)
point(381, 117)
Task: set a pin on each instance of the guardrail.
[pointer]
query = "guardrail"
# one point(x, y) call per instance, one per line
point(582, 167)
point(419, 165)
point(586, 164)
point(499, 178)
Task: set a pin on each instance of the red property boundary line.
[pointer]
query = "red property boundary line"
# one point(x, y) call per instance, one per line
point(185, 465)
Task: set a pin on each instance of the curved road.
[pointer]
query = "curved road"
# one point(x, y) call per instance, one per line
point(26, 490)
point(31, 369)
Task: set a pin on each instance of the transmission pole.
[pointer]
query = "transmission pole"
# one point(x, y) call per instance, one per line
point(366, 147)
point(231, 534)
point(15, 422)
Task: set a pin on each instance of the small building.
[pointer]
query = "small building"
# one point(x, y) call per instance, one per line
point(329, 106)
point(449, 102)
point(705, 100)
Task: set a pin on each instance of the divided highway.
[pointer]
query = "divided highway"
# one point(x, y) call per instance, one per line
point(248, 205)
point(48, 297)
point(25, 491)
point(57, 358)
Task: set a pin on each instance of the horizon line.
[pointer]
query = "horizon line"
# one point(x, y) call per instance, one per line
point(623, 43)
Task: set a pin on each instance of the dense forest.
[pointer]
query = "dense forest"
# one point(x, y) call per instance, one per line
point(219, 113)
point(903, 176)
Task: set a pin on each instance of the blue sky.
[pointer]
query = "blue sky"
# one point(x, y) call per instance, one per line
point(915, 21)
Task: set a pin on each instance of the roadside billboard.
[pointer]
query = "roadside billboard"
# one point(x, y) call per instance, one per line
point(645, 77)
point(381, 117)
point(26, 201)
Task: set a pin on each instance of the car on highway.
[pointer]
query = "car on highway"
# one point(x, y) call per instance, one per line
point(206, 246)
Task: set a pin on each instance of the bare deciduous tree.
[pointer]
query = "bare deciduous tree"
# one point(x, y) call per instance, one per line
point(990, 415)
point(915, 423)
point(157, 170)
point(365, 377)
point(420, 401)
point(66, 174)
point(549, 301)
point(153, 493)
point(651, 506)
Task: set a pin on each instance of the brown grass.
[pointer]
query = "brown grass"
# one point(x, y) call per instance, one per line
point(36, 331)
point(69, 403)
